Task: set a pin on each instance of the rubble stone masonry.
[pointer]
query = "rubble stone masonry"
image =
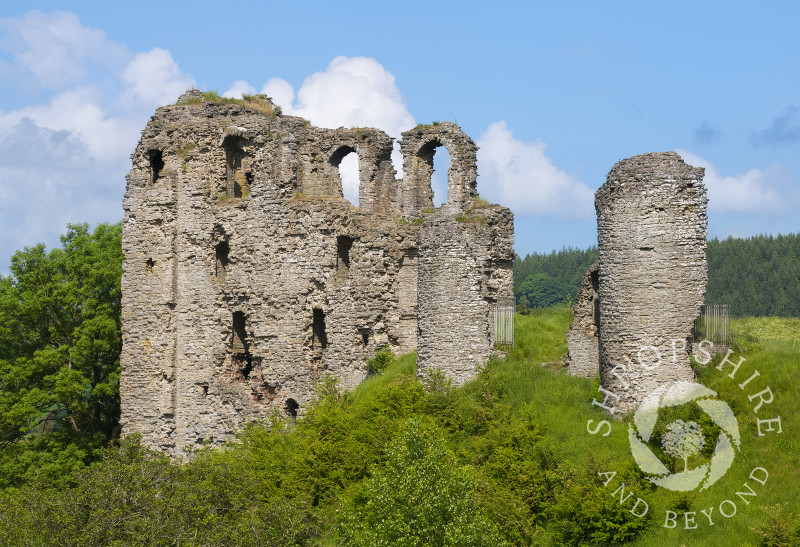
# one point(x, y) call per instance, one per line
point(248, 277)
point(651, 229)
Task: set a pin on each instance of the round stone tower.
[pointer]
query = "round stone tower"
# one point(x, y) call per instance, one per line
point(651, 230)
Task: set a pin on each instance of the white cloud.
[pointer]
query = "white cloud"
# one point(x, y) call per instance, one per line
point(353, 92)
point(239, 88)
point(79, 111)
point(55, 47)
point(92, 98)
point(747, 192)
point(155, 79)
point(521, 176)
point(281, 92)
point(47, 179)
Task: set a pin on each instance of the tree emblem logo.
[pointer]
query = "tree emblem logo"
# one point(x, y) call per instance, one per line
point(683, 439)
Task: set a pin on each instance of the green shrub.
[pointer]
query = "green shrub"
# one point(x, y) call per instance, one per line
point(422, 498)
point(587, 513)
point(380, 361)
point(779, 529)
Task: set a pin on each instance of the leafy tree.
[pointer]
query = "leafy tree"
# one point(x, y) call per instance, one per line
point(59, 352)
point(422, 498)
point(543, 290)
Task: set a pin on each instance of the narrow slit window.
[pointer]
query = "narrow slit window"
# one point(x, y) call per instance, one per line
point(222, 250)
point(239, 340)
point(156, 164)
point(318, 329)
point(343, 245)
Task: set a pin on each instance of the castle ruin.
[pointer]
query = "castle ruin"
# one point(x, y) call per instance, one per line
point(248, 277)
point(651, 278)
point(583, 340)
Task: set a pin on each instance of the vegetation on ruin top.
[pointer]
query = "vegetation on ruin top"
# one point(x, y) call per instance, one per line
point(259, 103)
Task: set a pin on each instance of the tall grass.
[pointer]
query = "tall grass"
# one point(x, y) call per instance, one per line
point(562, 407)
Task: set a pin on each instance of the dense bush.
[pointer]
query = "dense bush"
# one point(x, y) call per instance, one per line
point(421, 497)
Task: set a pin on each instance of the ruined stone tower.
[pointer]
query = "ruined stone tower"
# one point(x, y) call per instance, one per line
point(651, 230)
point(248, 277)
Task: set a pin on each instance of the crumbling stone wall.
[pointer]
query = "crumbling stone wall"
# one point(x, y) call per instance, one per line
point(651, 229)
point(582, 338)
point(248, 277)
point(465, 269)
point(418, 147)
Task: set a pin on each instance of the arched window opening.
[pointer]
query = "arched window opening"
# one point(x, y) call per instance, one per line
point(441, 168)
point(318, 329)
point(237, 179)
point(156, 158)
point(434, 174)
point(150, 263)
point(291, 407)
point(346, 160)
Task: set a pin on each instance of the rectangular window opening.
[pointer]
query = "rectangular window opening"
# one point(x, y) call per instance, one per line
point(239, 344)
point(318, 329)
point(343, 245)
point(221, 251)
point(156, 164)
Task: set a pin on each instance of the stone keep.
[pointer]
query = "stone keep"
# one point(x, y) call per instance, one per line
point(651, 230)
point(248, 277)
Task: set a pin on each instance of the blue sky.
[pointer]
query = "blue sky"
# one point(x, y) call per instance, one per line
point(554, 94)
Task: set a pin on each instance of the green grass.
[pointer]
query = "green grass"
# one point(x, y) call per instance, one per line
point(562, 407)
point(254, 102)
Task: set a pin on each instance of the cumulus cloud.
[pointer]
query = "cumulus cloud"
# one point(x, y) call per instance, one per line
point(154, 78)
point(239, 88)
point(80, 112)
point(281, 91)
point(47, 179)
point(520, 175)
point(785, 129)
point(351, 92)
point(750, 192)
point(94, 96)
point(55, 48)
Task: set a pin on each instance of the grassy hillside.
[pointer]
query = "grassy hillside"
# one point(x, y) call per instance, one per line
point(505, 459)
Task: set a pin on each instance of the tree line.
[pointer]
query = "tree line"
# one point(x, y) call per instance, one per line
point(755, 276)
